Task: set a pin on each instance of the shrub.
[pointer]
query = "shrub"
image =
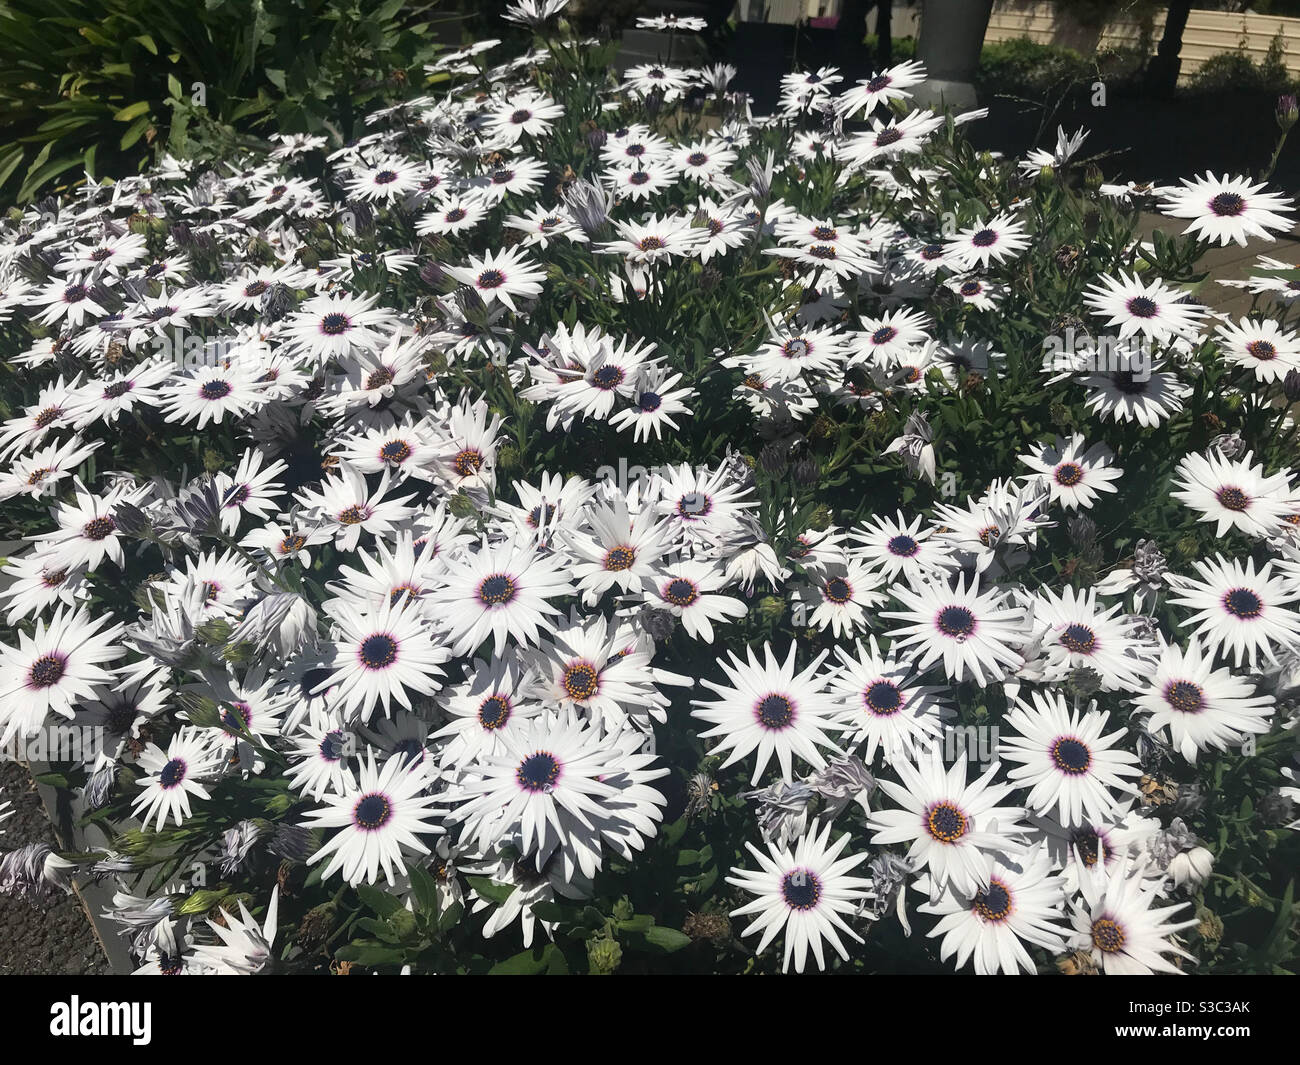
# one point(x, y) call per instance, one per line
point(101, 85)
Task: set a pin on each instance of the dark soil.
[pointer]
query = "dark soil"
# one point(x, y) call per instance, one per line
point(55, 937)
point(1148, 139)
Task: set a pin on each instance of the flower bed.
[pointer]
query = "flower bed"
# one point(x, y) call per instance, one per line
point(582, 527)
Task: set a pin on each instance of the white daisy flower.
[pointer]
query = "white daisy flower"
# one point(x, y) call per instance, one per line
point(1228, 210)
point(562, 789)
point(883, 707)
point(690, 591)
point(1064, 759)
point(1239, 610)
point(1116, 921)
point(500, 591)
point(770, 709)
point(1022, 903)
point(1150, 309)
point(381, 817)
point(1263, 347)
point(951, 826)
point(380, 656)
point(974, 634)
point(1199, 707)
point(501, 276)
point(173, 777)
point(806, 894)
point(1074, 476)
point(1234, 493)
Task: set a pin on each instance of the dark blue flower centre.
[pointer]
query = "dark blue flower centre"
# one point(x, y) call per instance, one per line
point(883, 698)
point(172, 773)
point(1243, 603)
point(395, 451)
point(903, 546)
point(214, 390)
point(801, 889)
point(945, 823)
point(378, 651)
point(1231, 498)
point(494, 712)
point(993, 903)
point(775, 712)
point(46, 671)
point(579, 681)
point(956, 621)
point(1079, 639)
point(538, 772)
point(372, 812)
point(334, 324)
point(620, 558)
point(1185, 696)
point(680, 592)
point(496, 590)
point(1071, 756)
point(838, 590)
point(608, 377)
point(1069, 474)
point(1227, 205)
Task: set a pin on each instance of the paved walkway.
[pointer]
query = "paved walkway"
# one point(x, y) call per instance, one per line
point(1232, 263)
point(53, 937)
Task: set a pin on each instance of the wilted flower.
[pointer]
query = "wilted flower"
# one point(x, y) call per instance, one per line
point(784, 810)
point(915, 446)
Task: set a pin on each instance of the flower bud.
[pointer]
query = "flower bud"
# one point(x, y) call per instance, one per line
point(1291, 386)
point(1209, 925)
point(1287, 111)
point(806, 471)
point(604, 956)
point(1191, 868)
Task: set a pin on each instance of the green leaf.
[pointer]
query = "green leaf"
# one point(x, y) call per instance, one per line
point(380, 901)
point(529, 962)
point(642, 922)
point(202, 901)
point(490, 889)
point(131, 111)
point(10, 159)
point(134, 132)
point(450, 917)
point(425, 888)
point(668, 940)
point(370, 954)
